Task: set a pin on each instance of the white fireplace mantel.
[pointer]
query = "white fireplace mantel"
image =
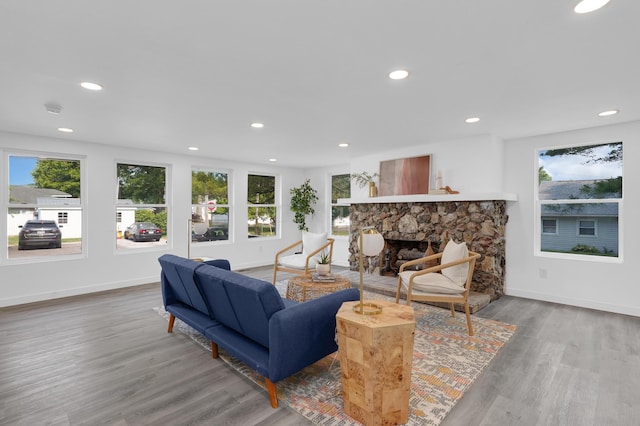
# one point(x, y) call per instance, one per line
point(431, 198)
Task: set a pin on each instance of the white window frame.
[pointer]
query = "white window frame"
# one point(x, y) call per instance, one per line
point(227, 205)
point(167, 202)
point(332, 204)
point(538, 203)
point(555, 221)
point(277, 198)
point(579, 227)
point(7, 205)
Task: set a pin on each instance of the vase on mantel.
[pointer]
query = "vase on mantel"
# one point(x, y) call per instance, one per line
point(373, 191)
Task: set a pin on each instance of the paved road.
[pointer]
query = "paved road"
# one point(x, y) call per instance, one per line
point(76, 248)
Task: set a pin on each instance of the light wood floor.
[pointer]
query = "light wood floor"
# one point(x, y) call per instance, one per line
point(106, 359)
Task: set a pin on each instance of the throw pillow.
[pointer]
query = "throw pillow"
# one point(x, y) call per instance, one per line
point(312, 241)
point(451, 253)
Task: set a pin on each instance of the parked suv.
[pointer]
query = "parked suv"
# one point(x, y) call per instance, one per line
point(39, 233)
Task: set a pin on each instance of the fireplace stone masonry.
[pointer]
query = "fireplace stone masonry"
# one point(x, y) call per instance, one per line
point(481, 224)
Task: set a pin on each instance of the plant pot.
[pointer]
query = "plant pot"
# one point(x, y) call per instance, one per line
point(323, 268)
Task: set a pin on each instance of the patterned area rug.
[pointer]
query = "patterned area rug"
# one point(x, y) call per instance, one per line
point(446, 361)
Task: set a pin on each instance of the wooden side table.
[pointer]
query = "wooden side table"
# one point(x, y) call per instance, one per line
point(376, 354)
point(303, 288)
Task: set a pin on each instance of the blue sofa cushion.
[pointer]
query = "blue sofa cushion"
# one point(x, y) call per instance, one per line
point(242, 303)
point(178, 285)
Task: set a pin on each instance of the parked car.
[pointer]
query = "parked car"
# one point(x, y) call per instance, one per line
point(39, 233)
point(212, 234)
point(143, 231)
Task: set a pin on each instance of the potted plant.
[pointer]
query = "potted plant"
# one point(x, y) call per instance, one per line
point(303, 200)
point(363, 179)
point(323, 267)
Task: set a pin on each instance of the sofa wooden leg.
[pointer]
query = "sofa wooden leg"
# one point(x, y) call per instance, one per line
point(214, 350)
point(273, 393)
point(172, 320)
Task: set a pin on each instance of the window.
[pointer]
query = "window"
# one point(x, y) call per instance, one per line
point(579, 200)
point(549, 226)
point(587, 227)
point(44, 216)
point(340, 188)
point(63, 217)
point(119, 217)
point(142, 206)
point(261, 199)
point(209, 205)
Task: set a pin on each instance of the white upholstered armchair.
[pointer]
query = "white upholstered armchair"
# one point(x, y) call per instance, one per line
point(448, 282)
point(303, 262)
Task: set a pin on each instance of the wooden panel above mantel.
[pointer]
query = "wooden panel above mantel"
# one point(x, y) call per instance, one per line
point(431, 198)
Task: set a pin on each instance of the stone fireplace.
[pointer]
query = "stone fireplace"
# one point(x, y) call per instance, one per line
point(408, 227)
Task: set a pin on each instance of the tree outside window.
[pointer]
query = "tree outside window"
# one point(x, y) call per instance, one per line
point(340, 188)
point(45, 189)
point(209, 205)
point(262, 208)
point(580, 193)
point(141, 206)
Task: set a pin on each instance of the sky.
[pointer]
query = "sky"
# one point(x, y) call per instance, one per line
point(573, 167)
point(20, 169)
point(569, 167)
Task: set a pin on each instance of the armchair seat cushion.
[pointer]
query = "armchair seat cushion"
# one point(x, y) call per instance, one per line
point(431, 283)
point(297, 261)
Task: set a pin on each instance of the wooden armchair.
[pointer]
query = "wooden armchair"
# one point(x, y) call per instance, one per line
point(304, 262)
point(449, 282)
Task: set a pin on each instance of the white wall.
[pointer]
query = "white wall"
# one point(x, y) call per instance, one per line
point(605, 286)
point(321, 221)
point(461, 162)
point(102, 267)
point(469, 165)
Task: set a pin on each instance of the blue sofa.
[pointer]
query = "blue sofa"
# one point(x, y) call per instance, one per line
point(249, 319)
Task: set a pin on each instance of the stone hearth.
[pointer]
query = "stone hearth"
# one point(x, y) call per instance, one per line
point(481, 224)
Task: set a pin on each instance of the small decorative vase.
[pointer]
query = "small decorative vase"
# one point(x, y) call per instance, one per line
point(323, 268)
point(373, 191)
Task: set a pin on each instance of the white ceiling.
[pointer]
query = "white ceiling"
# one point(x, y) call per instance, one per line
point(184, 73)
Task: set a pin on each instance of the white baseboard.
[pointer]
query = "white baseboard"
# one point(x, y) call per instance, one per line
point(582, 303)
point(39, 297)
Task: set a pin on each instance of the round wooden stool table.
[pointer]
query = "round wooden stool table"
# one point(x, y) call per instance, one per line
point(303, 287)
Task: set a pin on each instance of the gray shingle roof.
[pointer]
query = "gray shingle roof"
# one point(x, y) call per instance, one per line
point(568, 190)
point(25, 194)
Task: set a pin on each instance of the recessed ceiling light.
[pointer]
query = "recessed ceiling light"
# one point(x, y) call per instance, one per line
point(65, 130)
point(193, 148)
point(586, 6)
point(472, 120)
point(343, 145)
point(257, 125)
point(91, 86)
point(398, 74)
point(608, 113)
point(273, 160)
